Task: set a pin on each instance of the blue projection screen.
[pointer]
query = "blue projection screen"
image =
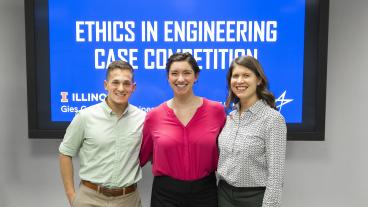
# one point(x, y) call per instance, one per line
point(83, 37)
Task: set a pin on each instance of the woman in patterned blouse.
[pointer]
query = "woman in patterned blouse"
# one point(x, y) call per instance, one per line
point(252, 144)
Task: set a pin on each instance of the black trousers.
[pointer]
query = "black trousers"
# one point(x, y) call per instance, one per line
point(230, 196)
point(169, 192)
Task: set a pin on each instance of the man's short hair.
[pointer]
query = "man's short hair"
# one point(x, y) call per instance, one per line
point(119, 64)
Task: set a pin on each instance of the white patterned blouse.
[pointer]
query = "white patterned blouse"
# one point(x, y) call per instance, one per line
point(252, 151)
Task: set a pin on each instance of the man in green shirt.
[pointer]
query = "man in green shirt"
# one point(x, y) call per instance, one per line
point(107, 138)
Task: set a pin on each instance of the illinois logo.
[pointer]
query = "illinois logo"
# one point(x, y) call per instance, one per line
point(64, 97)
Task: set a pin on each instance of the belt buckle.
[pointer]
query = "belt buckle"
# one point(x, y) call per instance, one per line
point(99, 189)
point(113, 192)
point(109, 192)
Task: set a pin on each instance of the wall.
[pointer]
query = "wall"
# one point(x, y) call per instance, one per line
point(319, 174)
point(333, 173)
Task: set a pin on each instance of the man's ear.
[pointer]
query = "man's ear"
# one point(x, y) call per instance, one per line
point(105, 84)
point(134, 87)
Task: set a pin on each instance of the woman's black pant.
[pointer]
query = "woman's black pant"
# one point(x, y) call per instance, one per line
point(169, 192)
point(230, 196)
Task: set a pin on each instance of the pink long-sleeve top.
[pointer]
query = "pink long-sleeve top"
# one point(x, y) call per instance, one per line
point(182, 152)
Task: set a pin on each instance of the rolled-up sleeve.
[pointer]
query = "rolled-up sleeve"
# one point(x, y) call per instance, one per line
point(73, 137)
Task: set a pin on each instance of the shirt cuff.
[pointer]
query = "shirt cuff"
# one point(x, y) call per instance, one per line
point(66, 150)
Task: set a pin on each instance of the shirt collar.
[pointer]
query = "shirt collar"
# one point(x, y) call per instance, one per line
point(109, 111)
point(255, 108)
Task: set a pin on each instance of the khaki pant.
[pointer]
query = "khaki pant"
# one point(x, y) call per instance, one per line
point(87, 197)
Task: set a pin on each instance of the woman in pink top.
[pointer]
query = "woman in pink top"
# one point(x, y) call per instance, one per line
point(180, 138)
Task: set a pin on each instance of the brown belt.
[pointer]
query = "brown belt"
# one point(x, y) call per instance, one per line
point(110, 192)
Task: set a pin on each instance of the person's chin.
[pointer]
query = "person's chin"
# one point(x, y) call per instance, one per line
point(242, 96)
point(181, 92)
point(121, 102)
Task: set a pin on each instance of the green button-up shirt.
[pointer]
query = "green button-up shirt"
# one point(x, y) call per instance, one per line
point(108, 145)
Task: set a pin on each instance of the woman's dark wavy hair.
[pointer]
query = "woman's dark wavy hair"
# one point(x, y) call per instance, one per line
point(176, 57)
point(262, 89)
